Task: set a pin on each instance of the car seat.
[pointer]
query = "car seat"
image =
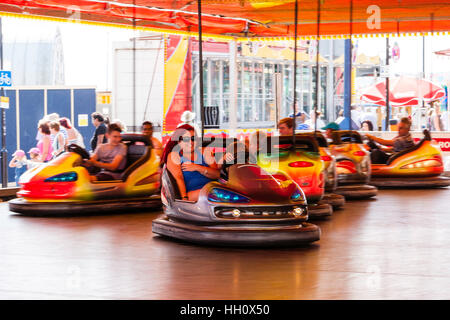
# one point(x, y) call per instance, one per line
point(136, 155)
point(171, 184)
point(427, 137)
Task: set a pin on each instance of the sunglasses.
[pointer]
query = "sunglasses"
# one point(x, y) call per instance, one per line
point(186, 139)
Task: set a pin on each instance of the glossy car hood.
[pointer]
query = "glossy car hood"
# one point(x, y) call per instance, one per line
point(253, 181)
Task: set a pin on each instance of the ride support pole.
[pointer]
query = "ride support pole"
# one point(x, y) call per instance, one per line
point(294, 103)
point(388, 115)
point(316, 105)
point(347, 123)
point(4, 152)
point(200, 66)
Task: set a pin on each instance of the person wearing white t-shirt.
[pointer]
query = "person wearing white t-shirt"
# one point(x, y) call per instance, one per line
point(311, 120)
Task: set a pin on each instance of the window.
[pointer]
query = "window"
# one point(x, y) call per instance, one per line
point(268, 92)
point(256, 95)
point(305, 88)
point(247, 100)
point(287, 90)
point(225, 91)
point(323, 92)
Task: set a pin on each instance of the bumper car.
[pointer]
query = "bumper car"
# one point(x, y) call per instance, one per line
point(352, 165)
point(303, 165)
point(336, 200)
point(63, 186)
point(420, 166)
point(250, 209)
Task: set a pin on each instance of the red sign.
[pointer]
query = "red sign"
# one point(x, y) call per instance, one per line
point(444, 143)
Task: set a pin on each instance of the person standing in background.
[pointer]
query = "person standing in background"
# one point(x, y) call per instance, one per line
point(99, 136)
point(54, 117)
point(19, 163)
point(311, 123)
point(73, 136)
point(434, 117)
point(44, 144)
point(356, 115)
point(367, 125)
point(59, 142)
point(34, 158)
point(188, 117)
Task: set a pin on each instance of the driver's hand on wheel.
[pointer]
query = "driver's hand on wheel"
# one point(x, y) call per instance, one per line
point(87, 163)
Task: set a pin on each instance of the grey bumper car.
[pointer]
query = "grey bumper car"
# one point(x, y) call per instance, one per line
point(251, 209)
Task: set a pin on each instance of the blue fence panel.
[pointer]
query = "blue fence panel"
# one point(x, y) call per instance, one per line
point(11, 128)
point(58, 101)
point(85, 101)
point(31, 111)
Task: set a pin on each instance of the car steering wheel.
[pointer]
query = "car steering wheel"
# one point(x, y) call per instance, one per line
point(79, 150)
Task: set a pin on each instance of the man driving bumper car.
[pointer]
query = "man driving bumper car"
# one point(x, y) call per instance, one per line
point(407, 164)
point(65, 187)
point(399, 143)
point(109, 159)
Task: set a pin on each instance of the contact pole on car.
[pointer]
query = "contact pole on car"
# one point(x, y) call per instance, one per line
point(4, 153)
point(200, 66)
point(317, 65)
point(295, 72)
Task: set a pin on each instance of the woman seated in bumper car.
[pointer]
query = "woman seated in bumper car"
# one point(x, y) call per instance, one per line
point(399, 143)
point(191, 168)
point(109, 159)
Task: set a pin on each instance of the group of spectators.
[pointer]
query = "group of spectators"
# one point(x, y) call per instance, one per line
point(365, 121)
point(435, 118)
point(53, 136)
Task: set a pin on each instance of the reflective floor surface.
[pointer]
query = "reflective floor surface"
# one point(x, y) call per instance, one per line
point(394, 247)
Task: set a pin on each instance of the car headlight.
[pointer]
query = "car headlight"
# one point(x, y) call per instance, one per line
point(297, 195)
point(63, 177)
point(222, 195)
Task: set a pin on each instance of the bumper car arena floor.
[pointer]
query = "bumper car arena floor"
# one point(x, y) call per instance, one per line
point(392, 247)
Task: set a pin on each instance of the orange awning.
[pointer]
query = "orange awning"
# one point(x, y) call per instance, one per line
point(249, 18)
